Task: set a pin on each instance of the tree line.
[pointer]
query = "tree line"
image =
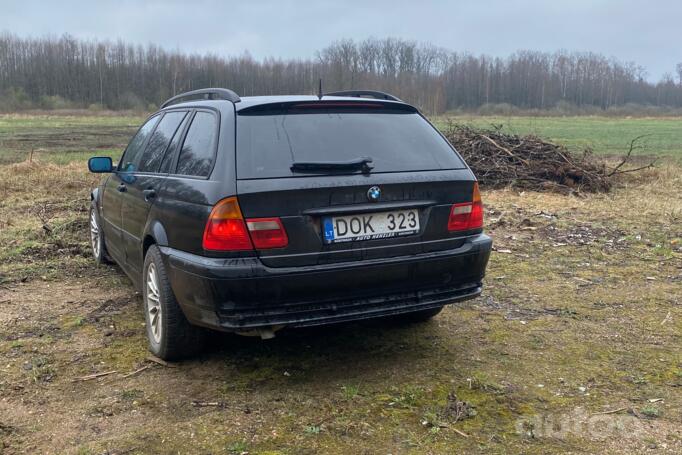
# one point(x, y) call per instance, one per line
point(64, 71)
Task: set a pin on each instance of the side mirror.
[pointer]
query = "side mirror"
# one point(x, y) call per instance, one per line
point(100, 164)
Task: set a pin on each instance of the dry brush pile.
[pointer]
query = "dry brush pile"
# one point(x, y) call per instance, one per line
point(500, 160)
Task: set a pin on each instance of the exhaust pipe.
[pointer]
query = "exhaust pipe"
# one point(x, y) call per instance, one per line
point(265, 333)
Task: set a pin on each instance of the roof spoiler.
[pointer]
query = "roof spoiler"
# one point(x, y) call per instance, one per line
point(328, 103)
point(365, 94)
point(205, 93)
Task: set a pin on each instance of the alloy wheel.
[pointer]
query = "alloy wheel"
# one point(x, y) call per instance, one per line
point(154, 303)
point(94, 233)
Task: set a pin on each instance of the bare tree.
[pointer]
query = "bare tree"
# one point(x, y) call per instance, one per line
point(44, 72)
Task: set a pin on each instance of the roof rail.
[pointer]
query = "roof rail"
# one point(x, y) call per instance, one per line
point(210, 94)
point(365, 94)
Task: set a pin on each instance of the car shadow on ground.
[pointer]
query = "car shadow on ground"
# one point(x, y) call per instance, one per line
point(351, 352)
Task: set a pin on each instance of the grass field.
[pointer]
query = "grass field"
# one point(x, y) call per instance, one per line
point(574, 346)
point(64, 138)
point(610, 136)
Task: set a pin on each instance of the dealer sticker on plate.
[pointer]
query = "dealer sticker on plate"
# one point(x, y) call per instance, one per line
point(370, 226)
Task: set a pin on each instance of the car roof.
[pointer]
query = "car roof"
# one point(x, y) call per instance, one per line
point(251, 101)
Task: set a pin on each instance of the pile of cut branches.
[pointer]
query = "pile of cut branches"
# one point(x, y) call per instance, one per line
point(499, 160)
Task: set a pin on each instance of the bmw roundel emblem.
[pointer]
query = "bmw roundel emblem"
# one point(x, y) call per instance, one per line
point(374, 193)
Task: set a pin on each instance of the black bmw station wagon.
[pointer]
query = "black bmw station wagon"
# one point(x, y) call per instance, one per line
point(253, 214)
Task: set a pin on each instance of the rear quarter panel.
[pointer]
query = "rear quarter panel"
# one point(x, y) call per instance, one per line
point(186, 202)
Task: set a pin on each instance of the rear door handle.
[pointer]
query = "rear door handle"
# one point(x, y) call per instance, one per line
point(149, 193)
point(121, 188)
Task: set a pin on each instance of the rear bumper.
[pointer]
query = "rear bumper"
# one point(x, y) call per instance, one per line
point(243, 294)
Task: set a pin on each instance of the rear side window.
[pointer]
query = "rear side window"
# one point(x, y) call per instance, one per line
point(197, 152)
point(150, 161)
point(396, 140)
point(134, 150)
point(173, 147)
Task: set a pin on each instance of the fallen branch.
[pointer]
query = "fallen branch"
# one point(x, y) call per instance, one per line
point(133, 373)
point(219, 404)
point(613, 411)
point(207, 404)
point(161, 362)
point(637, 169)
point(504, 149)
point(626, 158)
point(94, 376)
point(459, 432)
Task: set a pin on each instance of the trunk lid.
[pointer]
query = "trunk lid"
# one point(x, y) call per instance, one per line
point(303, 204)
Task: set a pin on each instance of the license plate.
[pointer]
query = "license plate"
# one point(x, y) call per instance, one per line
point(370, 226)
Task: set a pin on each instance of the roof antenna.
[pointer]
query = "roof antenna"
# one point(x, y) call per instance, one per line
point(319, 92)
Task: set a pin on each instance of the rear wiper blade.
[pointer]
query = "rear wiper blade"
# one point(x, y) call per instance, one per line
point(364, 164)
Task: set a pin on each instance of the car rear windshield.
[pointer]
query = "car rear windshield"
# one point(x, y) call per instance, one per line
point(270, 141)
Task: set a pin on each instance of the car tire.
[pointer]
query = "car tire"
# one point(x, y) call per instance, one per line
point(170, 335)
point(99, 248)
point(421, 315)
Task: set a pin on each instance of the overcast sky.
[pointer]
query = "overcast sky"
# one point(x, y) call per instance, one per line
point(647, 32)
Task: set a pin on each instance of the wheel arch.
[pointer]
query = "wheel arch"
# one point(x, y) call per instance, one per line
point(155, 235)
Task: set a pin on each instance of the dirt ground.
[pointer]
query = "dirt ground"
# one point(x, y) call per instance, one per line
point(575, 345)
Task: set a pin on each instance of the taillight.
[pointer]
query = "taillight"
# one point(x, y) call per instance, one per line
point(476, 218)
point(467, 215)
point(226, 230)
point(267, 233)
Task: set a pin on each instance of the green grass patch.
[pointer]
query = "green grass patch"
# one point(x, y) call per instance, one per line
point(61, 139)
point(604, 135)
